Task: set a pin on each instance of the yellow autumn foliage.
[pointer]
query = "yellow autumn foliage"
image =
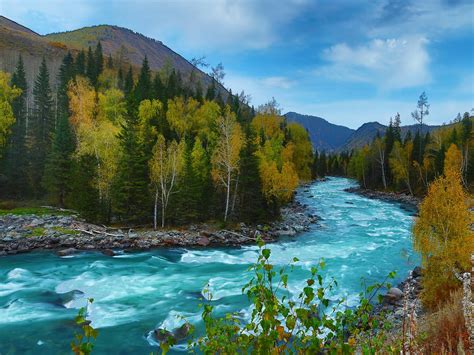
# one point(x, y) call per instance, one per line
point(7, 94)
point(96, 120)
point(442, 234)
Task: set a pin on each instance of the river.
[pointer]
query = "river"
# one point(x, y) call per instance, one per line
point(137, 292)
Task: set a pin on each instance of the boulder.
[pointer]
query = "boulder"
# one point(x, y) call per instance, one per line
point(396, 292)
point(108, 252)
point(416, 272)
point(181, 332)
point(177, 334)
point(67, 251)
point(203, 241)
point(162, 334)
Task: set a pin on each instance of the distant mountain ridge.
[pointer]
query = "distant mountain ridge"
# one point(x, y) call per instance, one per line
point(324, 135)
point(336, 138)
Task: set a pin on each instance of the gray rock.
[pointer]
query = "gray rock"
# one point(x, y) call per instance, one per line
point(65, 252)
point(162, 334)
point(108, 252)
point(182, 332)
point(416, 272)
point(396, 292)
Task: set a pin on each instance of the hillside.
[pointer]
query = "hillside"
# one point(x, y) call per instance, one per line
point(126, 47)
point(16, 39)
point(324, 135)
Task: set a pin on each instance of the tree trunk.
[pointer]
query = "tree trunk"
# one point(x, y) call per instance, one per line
point(383, 175)
point(227, 196)
point(163, 209)
point(155, 210)
point(235, 194)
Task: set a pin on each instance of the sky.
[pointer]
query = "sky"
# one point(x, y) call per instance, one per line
point(348, 61)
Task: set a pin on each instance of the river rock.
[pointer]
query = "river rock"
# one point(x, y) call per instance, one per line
point(181, 332)
point(162, 334)
point(66, 252)
point(203, 241)
point(416, 272)
point(108, 252)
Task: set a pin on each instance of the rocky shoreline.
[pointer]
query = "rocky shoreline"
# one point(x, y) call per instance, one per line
point(408, 200)
point(69, 234)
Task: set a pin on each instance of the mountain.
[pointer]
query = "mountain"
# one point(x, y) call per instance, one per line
point(368, 131)
point(334, 138)
point(125, 46)
point(324, 135)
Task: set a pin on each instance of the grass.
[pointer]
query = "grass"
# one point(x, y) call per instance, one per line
point(39, 211)
point(63, 230)
point(444, 331)
point(37, 232)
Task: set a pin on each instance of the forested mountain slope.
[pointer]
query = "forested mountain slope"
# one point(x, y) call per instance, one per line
point(324, 135)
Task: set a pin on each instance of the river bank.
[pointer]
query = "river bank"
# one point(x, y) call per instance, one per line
point(69, 234)
point(408, 200)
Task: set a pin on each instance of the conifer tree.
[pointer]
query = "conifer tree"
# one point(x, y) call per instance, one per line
point(42, 127)
point(81, 63)
point(16, 160)
point(58, 167)
point(131, 200)
point(252, 206)
point(143, 89)
point(91, 67)
point(128, 83)
point(99, 60)
point(120, 79)
point(84, 196)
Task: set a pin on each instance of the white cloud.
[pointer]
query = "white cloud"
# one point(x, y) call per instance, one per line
point(431, 17)
point(199, 24)
point(56, 15)
point(261, 89)
point(386, 63)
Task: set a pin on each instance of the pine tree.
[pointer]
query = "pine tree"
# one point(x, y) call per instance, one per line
point(58, 174)
point(16, 160)
point(143, 89)
point(81, 63)
point(91, 67)
point(131, 200)
point(42, 127)
point(84, 196)
point(120, 80)
point(252, 206)
point(188, 206)
point(99, 60)
point(128, 83)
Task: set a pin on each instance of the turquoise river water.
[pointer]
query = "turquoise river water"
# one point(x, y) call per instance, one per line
point(136, 292)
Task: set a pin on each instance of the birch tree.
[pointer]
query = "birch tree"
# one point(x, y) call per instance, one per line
point(380, 151)
point(400, 163)
point(165, 167)
point(225, 160)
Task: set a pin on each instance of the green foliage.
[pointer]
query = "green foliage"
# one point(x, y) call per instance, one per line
point(37, 232)
point(38, 211)
point(281, 324)
point(15, 163)
point(42, 125)
point(83, 342)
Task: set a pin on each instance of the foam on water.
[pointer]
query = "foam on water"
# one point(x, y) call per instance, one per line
point(135, 293)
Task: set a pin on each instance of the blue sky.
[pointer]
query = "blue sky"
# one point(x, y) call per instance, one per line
point(349, 61)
